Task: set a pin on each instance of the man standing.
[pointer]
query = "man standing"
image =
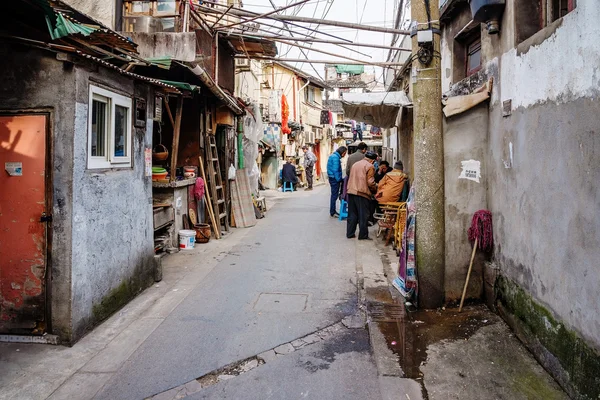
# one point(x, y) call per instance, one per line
point(309, 164)
point(361, 186)
point(334, 172)
point(356, 156)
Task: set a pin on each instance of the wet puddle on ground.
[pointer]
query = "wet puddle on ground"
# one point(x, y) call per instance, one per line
point(408, 334)
point(408, 337)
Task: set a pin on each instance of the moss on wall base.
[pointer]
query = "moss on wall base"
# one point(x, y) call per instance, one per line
point(114, 300)
point(570, 360)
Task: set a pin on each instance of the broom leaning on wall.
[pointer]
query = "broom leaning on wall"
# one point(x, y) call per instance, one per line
point(481, 235)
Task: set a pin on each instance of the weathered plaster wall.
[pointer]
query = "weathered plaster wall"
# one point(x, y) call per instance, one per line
point(112, 214)
point(102, 11)
point(545, 199)
point(179, 46)
point(34, 79)
point(465, 138)
point(545, 206)
point(542, 173)
point(558, 64)
point(247, 83)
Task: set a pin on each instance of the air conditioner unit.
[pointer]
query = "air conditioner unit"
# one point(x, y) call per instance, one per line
point(319, 134)
point(242, 62)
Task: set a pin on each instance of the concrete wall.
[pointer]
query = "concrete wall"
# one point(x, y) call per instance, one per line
point(247, 83)
point(102, 11)
point(179, 46)
point(465, 138)
point(542, 169)
point(546, 201)
point(311, 112)
point(112, 213)
point(34, 79)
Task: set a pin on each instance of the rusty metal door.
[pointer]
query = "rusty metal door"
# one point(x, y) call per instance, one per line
point(23, 220)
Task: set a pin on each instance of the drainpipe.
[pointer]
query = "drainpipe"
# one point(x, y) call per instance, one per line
point(216, 53)
point(294, 96)
point(240, 138)
point(119, 15)
point(299, 99)
point(186, 16)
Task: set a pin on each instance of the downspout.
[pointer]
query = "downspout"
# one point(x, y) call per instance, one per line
point(217, 58)
point(240, 142)
point(119, 15)
point(299, 99)
point(186, 17)
point(294, 96)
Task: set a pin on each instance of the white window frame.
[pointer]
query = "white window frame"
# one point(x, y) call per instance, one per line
point(109, 160)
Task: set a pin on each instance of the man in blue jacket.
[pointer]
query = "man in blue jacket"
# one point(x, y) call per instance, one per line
point(334, 172)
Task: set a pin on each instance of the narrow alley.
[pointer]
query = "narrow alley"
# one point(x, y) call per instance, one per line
point(277, 311)
point(299, 199)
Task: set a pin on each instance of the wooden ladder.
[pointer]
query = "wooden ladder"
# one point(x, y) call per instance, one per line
point(216, 183)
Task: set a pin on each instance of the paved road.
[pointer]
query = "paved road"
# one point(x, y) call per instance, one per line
point(292, 275)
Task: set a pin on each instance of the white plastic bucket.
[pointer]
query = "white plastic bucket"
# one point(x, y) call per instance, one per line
point(187, 238)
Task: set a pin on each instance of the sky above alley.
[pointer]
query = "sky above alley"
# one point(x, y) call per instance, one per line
point(368, 12)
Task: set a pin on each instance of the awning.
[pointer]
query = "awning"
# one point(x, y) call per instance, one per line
point(378, 109)
point(64, 21)
point(181, 85)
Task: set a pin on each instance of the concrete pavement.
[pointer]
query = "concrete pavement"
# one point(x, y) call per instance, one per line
point(277, 311)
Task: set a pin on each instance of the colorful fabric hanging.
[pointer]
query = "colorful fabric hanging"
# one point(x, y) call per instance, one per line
point(324, 117)
point(406, 282)
point(285, 114)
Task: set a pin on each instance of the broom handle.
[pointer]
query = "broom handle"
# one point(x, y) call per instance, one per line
point(462, 299)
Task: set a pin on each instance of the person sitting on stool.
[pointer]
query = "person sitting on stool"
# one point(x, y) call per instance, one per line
point(361, 187)
point(288, 174)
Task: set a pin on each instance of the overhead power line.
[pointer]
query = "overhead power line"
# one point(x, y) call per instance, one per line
point(291, 18)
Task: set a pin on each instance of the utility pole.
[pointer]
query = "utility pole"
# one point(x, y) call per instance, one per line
point(428, 153)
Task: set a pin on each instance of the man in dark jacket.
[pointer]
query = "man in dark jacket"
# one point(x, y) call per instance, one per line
point(356, 156)
point(361, 187)
point(288, 174)
point(334, 172)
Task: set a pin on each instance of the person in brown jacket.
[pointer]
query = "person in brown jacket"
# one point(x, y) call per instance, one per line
point(393, 186)
point(361, 187)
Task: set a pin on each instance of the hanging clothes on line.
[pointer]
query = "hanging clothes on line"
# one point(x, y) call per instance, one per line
point(324, 117)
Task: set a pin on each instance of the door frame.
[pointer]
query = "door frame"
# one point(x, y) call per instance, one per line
point(48, 189)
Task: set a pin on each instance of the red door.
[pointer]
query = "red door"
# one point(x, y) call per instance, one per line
point(22, 231)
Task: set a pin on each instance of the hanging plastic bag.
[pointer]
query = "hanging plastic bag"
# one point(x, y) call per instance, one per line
point(231, 172)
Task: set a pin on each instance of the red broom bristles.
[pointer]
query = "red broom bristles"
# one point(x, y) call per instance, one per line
point(481, 228)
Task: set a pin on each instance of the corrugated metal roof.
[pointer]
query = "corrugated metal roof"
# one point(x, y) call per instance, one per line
point(106, 64)
point(99, 34)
